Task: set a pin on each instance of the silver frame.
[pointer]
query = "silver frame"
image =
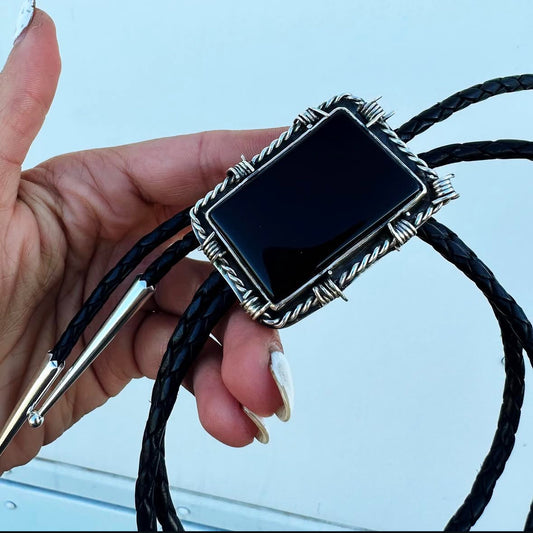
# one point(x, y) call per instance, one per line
point(329, 283)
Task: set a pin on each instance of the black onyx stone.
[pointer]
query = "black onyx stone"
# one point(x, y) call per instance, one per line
point(299, 213)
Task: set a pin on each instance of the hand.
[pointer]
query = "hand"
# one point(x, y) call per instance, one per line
point(66, 222)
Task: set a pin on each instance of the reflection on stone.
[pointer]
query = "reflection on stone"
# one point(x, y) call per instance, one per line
point(298, 214)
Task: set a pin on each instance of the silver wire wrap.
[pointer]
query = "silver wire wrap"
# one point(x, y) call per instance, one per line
point(400, 229)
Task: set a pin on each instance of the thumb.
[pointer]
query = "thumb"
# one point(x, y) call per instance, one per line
point(27, 86)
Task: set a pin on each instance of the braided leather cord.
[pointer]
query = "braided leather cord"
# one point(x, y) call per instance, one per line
point(164, 507)
point(504, 438)
point(472, 508)
point(492, 467)
point(461, 100)
point(112, 280)
point(513, 389)
point(172, 255)
point(516, 333)
point(479, 151)
point(522, 327)
point(210, 303)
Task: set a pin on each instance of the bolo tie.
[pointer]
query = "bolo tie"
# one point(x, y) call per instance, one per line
point(348, 190)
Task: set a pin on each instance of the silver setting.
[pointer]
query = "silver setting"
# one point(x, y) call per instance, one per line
point(327, 292)
point(310, 117)
point(329, 284)
point(252, 305)
point(444, 190)
point(402, 230)
point(332, 286)
point(211, 248)
point(372, 111)
point(241, 170)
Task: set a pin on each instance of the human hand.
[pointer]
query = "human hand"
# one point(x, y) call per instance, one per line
point(66, 222)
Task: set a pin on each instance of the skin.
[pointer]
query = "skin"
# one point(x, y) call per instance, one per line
point(65, 223)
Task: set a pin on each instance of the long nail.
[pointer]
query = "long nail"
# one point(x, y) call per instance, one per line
point(281, 372)
point(24, 18)
point(262, 432)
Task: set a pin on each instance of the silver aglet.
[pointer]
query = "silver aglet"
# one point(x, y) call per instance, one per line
point(131, 302)
point(27, 407)
point(35, 391)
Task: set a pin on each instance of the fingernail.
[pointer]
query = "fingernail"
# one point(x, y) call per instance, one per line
point(281, 372)
point(262, 432)
point(24, 18)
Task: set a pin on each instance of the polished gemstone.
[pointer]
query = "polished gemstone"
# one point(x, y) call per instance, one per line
point(315, 201)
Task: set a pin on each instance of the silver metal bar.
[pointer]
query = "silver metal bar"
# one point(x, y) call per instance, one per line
point(34, 392)
point(131, 302)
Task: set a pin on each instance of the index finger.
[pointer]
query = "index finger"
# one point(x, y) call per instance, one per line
point(177, 171)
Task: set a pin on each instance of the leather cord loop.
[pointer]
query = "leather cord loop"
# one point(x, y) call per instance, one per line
point(210, 303)
point(516, 334)
point(515, 328)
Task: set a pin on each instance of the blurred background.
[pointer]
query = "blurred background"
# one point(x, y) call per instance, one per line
point(398, 390)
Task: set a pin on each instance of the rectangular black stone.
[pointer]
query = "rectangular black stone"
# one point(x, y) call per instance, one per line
point(299, 213)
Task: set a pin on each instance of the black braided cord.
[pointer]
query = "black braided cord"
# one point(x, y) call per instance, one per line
point(212, 300)
point(479, 151)
point(461, 100)
point(169, 258)
point(492, 468)
point(113, 279)
point(503, 441)
point(164, 506)
point(516, 334)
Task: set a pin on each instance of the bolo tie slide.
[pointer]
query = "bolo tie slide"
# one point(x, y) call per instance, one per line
point(348, 190)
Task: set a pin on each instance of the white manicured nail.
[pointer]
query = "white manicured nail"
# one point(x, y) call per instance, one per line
point(281, 372)
point(24, 18)
point(262, 432)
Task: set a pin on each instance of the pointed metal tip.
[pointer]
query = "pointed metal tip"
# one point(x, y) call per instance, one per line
point(130, 303)
point(33, 393)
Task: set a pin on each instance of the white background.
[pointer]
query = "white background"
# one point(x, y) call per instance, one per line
point(398, 390)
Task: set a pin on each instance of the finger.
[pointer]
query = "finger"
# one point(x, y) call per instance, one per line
point(177, 171)
point(219, 412)
point(176, 290)
point(265, 385)
point(151, 341)
point(27, 86)
point(250, 366)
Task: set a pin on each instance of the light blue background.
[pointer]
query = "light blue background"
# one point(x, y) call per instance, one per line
point(397, 391)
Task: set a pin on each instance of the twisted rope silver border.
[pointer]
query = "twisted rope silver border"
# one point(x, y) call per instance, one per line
point(401, 230)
